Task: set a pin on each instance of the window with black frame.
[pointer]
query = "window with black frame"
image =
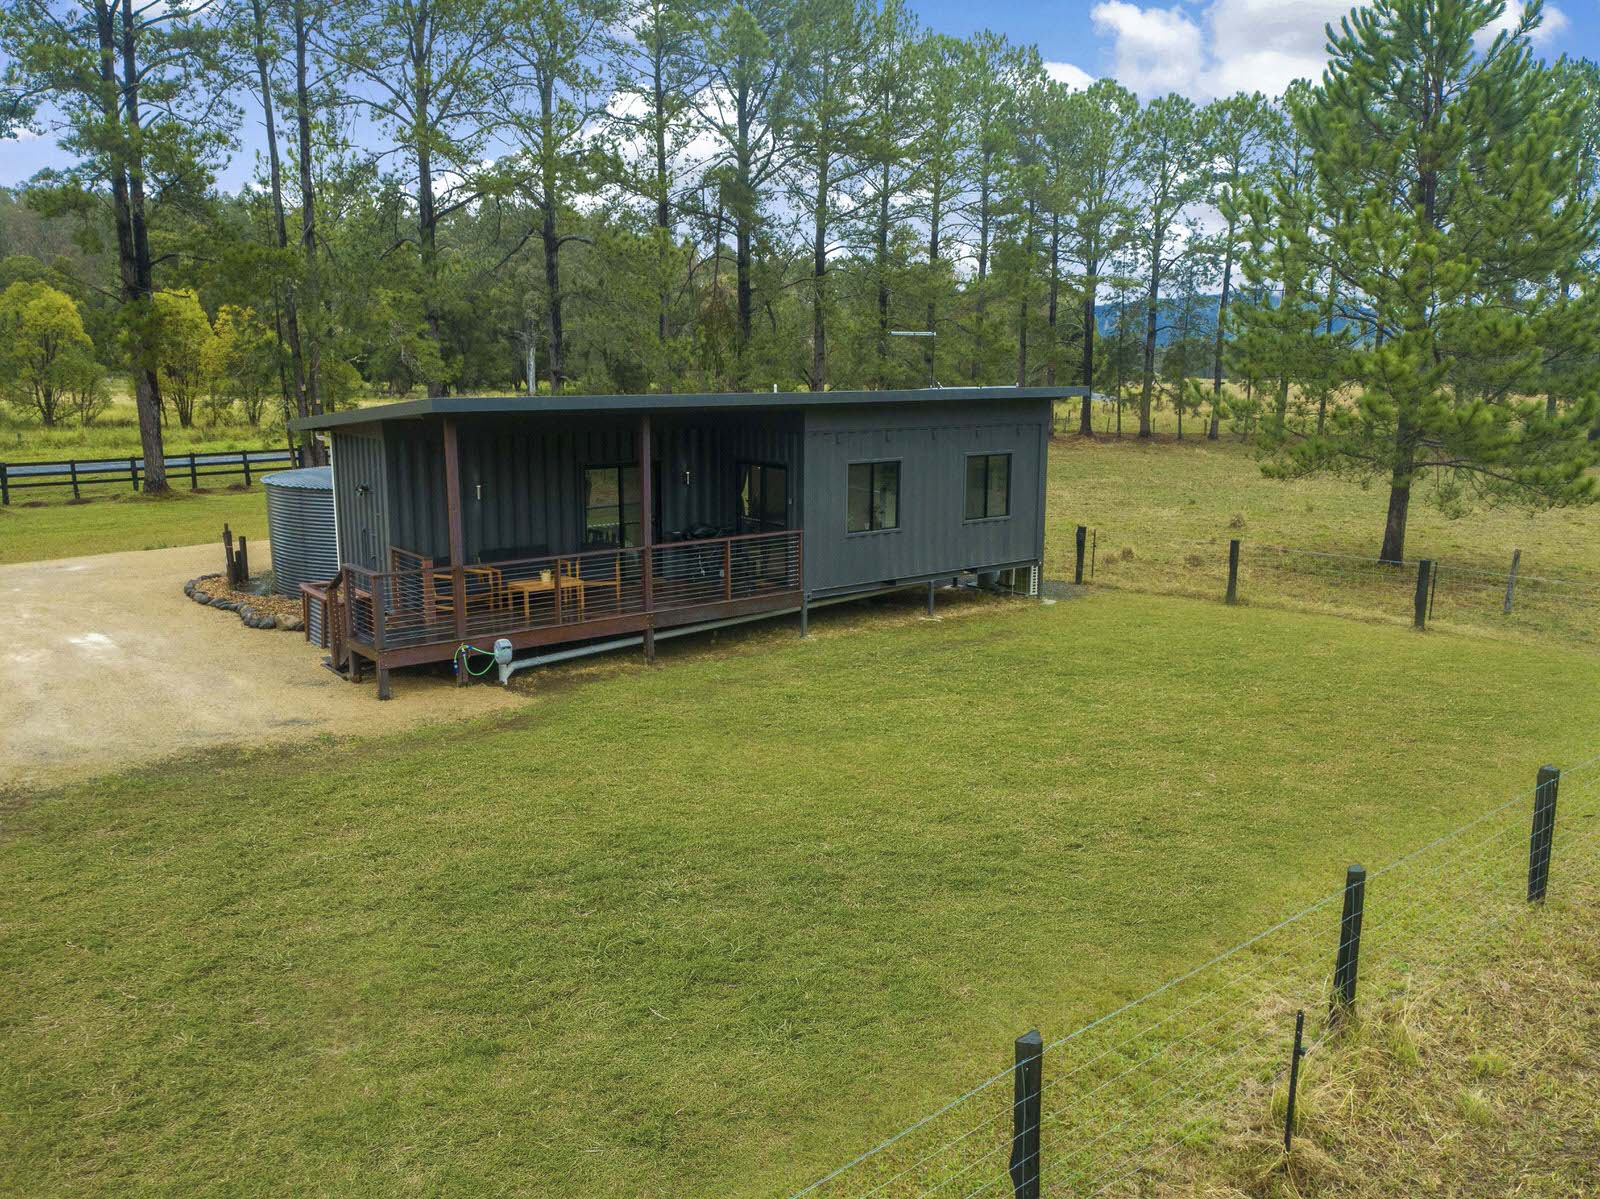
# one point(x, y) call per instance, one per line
point(988, 486)
point(611, 506)
point(763, 497)
point(873, 503)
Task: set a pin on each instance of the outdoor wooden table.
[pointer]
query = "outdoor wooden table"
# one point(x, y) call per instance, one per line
point(528, 588)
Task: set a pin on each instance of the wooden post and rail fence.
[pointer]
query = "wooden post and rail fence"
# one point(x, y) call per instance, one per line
point(80, 473)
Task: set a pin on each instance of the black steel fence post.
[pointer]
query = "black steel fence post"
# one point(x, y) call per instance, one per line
point(1298, 1052)
point(1083, 540)
point(1348, 963)
point(1025, 1172)
point(194, 475)
point(72, 468)
point(5, 485)
point(133, 472)
point(1233, 571)
point(1419, 616)
point(1544, 831)
point(245, 458)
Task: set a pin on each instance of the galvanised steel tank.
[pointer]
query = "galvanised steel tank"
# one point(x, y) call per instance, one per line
point(300, 528)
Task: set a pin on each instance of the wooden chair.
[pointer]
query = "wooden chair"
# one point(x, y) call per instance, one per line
point(591, 575)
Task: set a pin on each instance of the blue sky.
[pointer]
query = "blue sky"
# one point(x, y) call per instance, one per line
point(1203, 49)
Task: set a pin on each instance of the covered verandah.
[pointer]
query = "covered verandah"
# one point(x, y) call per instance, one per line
point(546, 529)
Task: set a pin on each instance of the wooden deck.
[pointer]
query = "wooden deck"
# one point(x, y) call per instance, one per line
point(417, 612)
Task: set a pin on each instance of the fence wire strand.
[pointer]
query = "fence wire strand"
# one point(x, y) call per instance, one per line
point(1126, 1089)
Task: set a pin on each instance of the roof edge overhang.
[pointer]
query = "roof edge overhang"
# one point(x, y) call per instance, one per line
point(524, 405)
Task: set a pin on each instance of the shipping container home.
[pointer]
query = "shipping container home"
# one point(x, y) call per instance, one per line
point(583, 520)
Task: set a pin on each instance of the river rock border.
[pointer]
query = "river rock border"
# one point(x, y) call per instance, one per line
point(249, 614)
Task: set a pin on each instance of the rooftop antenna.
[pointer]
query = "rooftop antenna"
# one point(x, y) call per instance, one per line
point(919, 333)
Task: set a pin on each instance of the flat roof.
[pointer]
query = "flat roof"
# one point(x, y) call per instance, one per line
point(526, 404)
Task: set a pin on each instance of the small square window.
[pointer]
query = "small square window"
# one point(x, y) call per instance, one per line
point(988, 490)
point(873, 502)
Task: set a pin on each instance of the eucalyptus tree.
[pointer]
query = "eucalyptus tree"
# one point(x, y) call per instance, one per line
point(657, 75)
point(428, 73)
point(267, 35)
point(554, 101)
point(1452, 185)
point(895, 111)
point(1168, 169)
point(747, 55)
point(127, 91)
point(1100, 125)
point(826, 129)
point(1235, 130)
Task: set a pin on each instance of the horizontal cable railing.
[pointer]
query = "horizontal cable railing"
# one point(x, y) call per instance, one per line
point(417, 602)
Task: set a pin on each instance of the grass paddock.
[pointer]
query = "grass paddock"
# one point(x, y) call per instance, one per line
point(712, 927)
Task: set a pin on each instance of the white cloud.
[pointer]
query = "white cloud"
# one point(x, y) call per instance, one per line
point(1154, 50)
point(1553, 23)
point(1226, 46)
point(1075, 77)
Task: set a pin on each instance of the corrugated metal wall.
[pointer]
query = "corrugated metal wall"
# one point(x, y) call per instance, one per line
point(361, 497)
point(931, 442)
point(522, 478)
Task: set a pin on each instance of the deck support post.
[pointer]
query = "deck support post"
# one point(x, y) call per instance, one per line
point(930, 597)
point(383, 683)
point(647, 534)
point(805, 613)
point(458, 548)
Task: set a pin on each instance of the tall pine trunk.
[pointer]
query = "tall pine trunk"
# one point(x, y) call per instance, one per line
point(1153, 301)
point(1214, 427)
point(1091, 285)
point(819, 271)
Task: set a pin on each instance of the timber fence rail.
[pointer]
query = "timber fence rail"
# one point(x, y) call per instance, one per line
point(1518, 599)
point(1099, 1110)
point(81, 474)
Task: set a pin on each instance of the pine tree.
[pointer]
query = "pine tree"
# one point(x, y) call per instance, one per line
point(1450, 185)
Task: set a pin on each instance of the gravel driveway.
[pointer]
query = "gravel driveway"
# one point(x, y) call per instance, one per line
point(104, 664)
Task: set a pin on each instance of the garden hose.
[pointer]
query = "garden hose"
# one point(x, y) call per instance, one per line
point(460, 659)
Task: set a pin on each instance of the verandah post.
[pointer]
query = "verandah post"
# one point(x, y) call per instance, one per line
point(458, 548)
point(647, 534)
point(1025, 1113)
point(1544, 831)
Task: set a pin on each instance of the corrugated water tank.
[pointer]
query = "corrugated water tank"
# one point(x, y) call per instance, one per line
point(300, 526)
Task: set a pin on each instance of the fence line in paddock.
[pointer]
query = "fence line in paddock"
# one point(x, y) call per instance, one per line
point(79, 473)
point(1082, 1113)
point(1420, 591)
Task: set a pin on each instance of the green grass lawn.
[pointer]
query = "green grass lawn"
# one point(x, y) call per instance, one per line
point(128, 522)
point(714, 927)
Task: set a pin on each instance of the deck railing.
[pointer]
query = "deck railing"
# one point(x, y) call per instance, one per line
point(584, 593)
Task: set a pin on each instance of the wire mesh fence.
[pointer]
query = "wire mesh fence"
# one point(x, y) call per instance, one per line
point(1099, 1110)
point(1520, 600)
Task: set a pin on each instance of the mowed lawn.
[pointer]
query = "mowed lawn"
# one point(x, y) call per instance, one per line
point(128, 522)
point(712, 928)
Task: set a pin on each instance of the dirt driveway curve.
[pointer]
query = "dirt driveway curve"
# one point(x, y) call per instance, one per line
point(104, 664)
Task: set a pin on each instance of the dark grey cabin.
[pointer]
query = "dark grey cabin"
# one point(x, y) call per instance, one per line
point(540, 521)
